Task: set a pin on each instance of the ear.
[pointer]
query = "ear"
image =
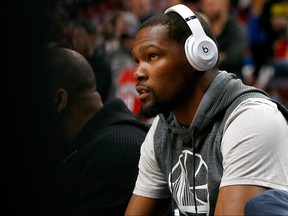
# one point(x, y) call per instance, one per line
point(61, 99)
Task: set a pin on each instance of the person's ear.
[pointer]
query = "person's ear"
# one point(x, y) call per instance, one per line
point(61, 99)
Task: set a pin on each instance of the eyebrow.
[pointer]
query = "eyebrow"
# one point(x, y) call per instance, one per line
point(144, 48)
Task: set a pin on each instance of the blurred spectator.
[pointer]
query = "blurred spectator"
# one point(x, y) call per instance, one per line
point(194, 5)
point(256, 52)
point(230, 33)
point(273, 70)
point(122, 62)
point(125, 24)
point(83, 41)
point(268, 37)
point(273, 78)
point(274, 21)
point(59, 31)
point(142, 8)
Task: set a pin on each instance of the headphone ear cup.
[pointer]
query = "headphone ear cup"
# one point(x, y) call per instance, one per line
point(201, 55)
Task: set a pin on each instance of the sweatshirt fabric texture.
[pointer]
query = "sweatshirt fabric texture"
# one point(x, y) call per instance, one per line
point(98, 169)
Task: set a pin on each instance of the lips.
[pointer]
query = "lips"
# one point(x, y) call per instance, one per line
point(143, 92)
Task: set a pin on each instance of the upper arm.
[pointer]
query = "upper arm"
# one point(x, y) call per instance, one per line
point(144, 206)
point(255, 146)
point(232, 199)
point(254, 153)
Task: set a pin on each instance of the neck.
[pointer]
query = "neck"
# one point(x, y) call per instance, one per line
point(186, 112)
point(78, 116)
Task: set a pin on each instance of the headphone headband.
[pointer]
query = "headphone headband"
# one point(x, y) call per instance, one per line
point(190, 18)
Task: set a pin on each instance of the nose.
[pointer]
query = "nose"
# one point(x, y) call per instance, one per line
point(139, 75)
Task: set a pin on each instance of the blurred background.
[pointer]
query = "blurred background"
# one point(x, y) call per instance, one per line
point(252, 36)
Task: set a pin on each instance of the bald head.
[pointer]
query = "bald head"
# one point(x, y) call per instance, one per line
point(65, 68)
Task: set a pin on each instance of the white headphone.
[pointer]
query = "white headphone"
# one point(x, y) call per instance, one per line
point(201, 51)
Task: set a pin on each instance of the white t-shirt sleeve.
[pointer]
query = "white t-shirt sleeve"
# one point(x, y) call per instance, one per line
point(255, 146)
point(150, 181)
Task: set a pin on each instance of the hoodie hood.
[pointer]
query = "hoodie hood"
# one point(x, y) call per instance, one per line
point(223, 90)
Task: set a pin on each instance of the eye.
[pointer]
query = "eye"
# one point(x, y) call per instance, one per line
point(136, 61)
point(152, 56)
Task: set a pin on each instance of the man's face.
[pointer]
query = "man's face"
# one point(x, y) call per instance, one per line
point(164, 75)
point(81, 41)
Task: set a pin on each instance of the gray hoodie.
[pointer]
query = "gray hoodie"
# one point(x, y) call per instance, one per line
point(190, 157)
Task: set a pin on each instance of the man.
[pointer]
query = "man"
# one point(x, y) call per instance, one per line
point(122, 62)
point(91, 150)
point(83, 41)
point(186, 155)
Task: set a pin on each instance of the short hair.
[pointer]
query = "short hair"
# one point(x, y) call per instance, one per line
point(178, 30)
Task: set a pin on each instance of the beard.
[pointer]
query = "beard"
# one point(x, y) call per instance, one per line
point(152, 110)
point(158, 106)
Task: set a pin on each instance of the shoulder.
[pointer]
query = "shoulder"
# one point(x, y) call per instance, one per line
point(123, 131)
point(255, 121)
point(257, 109)
point(154, 126)
point(148, 144)
point(255, 132)
point(120, 142)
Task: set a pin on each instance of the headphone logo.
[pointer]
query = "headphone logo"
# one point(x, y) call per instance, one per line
point(205, 49)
